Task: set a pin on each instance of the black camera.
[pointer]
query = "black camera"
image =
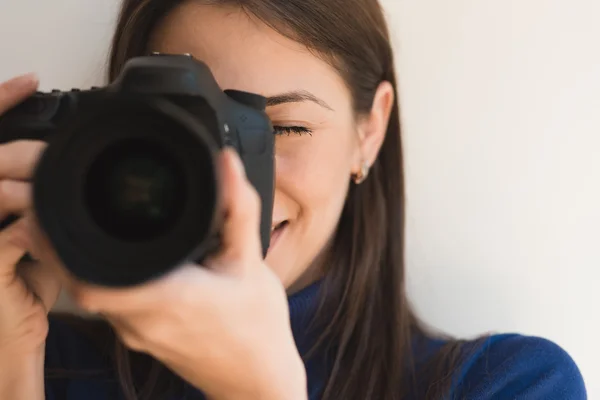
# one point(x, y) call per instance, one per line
point(128, 188)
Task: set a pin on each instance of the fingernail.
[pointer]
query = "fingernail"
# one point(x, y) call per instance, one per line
point(26, 80)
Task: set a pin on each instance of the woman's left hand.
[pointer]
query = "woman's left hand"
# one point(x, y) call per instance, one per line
point(223, 327)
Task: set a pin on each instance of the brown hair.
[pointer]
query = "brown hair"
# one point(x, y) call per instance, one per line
point(365, 321)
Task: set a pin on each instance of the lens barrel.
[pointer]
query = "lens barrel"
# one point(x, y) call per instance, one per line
point(128, 190)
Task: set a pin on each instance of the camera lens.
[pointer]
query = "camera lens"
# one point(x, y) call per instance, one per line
point(128, 189)
point(135, 191)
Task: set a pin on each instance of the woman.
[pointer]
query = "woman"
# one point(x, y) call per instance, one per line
point(346, 330)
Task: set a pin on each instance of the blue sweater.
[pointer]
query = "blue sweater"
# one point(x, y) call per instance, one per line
point(503, 367)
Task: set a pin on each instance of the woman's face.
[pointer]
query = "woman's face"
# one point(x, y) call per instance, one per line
point(318, 143)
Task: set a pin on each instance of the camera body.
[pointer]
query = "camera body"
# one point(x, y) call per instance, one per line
point(128, 188)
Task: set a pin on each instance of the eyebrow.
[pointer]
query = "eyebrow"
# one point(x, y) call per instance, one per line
point(297, 96)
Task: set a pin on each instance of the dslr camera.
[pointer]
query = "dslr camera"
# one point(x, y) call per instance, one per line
point(127, 188)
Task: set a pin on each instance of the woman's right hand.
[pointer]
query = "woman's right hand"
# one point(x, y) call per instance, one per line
point(27, 291)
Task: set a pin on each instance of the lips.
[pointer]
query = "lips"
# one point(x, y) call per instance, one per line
point(276, 231)
point(278, 225)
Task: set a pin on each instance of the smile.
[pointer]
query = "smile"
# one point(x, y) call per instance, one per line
point(276, 232)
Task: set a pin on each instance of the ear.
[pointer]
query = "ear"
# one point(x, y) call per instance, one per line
point(373, 127)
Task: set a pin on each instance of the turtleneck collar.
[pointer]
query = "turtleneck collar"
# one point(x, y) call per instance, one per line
point(302, 306)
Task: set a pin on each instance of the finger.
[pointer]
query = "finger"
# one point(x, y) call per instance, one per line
point(19, 158)
point(14, 241)
point(115, 301)
point(146, 299)
point(42, 281)
point(42, 278)
point(241, 230)
point(15, 197)
point(126, 333)
point(40, 247)
point(15, 90)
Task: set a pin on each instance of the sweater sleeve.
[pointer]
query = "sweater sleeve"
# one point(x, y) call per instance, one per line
point(520, 367)
point(75, 367)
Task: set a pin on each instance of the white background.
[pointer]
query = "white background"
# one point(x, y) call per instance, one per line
point(501, 111)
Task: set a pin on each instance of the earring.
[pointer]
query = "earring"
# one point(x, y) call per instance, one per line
point(361, 175)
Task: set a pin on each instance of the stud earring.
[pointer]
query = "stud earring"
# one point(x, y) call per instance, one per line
point(361, 175)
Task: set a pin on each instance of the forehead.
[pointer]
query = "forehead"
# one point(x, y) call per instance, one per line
point(244, 53)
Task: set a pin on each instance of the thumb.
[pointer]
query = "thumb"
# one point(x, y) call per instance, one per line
point(13, 245)
point(241, 230)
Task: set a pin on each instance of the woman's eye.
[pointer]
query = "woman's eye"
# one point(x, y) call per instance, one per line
point(289, 130)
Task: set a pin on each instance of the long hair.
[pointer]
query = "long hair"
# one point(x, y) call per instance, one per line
point(364, 320)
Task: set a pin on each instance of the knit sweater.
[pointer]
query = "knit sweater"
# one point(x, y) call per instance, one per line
point(507, 366)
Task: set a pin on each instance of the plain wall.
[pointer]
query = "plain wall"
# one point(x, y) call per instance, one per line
point(501, 113)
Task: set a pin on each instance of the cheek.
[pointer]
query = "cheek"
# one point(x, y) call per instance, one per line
point(313, 171)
